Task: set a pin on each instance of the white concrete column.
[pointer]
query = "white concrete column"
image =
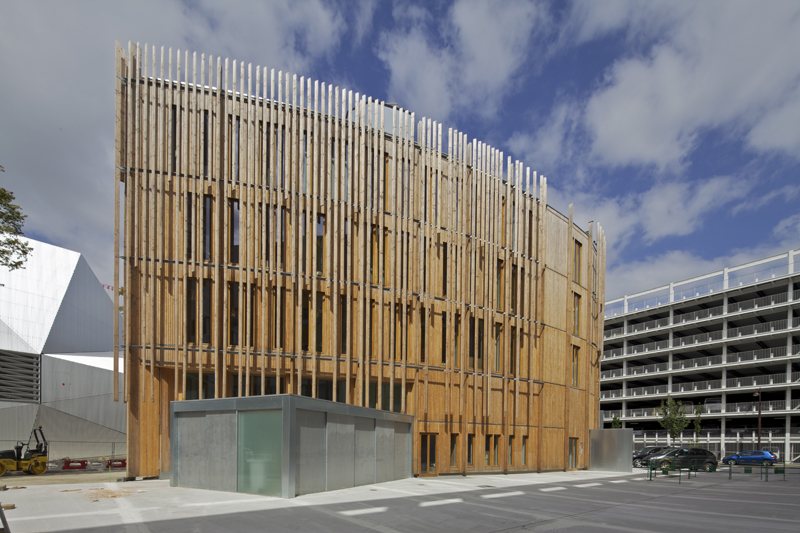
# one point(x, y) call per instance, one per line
point(722, 435)
point(725, 278)
point(788, 438)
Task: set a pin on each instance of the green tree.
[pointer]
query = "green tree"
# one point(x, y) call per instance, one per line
point(673, 419)
point(616, 423)
point(698, 410)
point(13, 251)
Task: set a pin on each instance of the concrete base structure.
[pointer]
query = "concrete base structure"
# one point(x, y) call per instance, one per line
point(285, 445)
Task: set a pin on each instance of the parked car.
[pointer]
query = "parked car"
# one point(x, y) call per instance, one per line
point(751, 457)
point(639, 455)
point(696, 458)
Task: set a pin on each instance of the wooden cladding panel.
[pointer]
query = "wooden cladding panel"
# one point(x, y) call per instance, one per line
point(289, 234)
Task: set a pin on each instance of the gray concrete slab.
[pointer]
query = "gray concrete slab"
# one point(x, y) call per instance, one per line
point(561, 501)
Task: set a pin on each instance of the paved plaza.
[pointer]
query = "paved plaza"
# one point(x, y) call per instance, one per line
point(559, 501)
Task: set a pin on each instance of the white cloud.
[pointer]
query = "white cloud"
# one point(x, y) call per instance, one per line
point(470, 68)
point(553, 142)
point(716, 64)
point(362, 24)
point(57, 140)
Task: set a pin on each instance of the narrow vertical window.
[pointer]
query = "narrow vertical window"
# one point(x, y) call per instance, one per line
point(512, 362)
point(576, 267)
point(191, 311)
point(320, 245)
point(444, 269)
point(318, 327)
point(233, 313)
point(576, 314)
point(206, 137)
point(471, 362)
point(575, 361)
point(498, 347)
point(444, 338)
point(173, 138)
point(499, 285)
point(189, 236)
point(487, 451)
point(208, 221)
point(303, 241)
point(306, 300)
point(343, 324)
point(511, 450)
point(206, 311)
point(235, 158)
point(422, 336)
point(233, 229)
point(480, 345)
point(524, 450)
point(470, 449)
point(513, 288)
point(453, 449)
point(457, 343)
point(495, 450)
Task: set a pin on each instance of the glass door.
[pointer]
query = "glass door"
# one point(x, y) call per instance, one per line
point(427, 454)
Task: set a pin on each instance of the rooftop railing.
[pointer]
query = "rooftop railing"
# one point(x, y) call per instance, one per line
point(698, 290)
point(753, 277)
point(753, 329)
point(757, 303)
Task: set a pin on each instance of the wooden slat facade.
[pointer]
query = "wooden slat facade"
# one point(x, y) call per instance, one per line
point(283, 236)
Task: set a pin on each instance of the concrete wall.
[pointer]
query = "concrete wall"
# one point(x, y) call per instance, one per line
point(314, 446)
point(611, 450)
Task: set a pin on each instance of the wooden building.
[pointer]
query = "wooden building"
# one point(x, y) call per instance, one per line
point(278, 235)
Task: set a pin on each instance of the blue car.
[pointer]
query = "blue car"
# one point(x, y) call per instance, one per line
point(751, 457)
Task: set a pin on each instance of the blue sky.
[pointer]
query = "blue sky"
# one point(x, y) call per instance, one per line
point(675, 124)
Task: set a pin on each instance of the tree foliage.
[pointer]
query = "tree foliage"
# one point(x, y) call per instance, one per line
point(13, 250)
point(673, 419)
point(698, 410)
point(616, 423)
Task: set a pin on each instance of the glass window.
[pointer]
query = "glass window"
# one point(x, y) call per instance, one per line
point(259, 452)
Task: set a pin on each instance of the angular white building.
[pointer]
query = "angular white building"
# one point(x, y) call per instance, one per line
point(56, 358)
point(721, 341)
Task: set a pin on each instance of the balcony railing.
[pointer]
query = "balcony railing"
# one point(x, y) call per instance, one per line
point(753, 329)
point(610, 333)
point(616, 352)
point(697, 339)
point(647, 369)
point(753, 277)
point(698, 315)
point(757, 381)
point(697, 363)
point(730, 408)
point(757, 303)
point(754, 355)
point(610, 374)
point(645, 326)
point(691, 386)
point(645, 391)
point(614, 393)
point(649, 347)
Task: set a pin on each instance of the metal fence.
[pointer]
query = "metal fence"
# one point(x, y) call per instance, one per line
point(59, 450)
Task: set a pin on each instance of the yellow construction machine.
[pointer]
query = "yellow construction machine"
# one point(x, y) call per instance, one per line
point(32, 461)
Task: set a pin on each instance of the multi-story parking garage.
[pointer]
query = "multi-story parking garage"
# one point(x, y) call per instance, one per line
point(727, 341)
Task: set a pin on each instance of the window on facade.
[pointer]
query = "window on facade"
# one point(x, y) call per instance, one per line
point(498, 347)
point(471, 343)
point(320, 245)
point(233, 313)
point(444, 338)
point(208, 228)
point(453, 449)
point(480, 345)
point(575, 365)
point(513, 289)
point(306, 302)
point(206, 323)
point(470, 449)
point(576, 267)
point(343, 324)
point(233, 228)
point(491, 450)
point(524, 450)
point(189, 235)
point(457, 343)
point(191, 311)
point(512, 362)
point(444, 269)
point(318, 326)
point(206, 138)
point(422, 336)
point(499, 285)
point(510, 450)
point(576, 314)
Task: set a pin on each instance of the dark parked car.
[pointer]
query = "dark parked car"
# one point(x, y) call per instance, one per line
point(751, 457)
point(696, 458)
point(639, 455)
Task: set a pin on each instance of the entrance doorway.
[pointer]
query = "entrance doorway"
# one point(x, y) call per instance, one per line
point(573, 453)
point(427, 454)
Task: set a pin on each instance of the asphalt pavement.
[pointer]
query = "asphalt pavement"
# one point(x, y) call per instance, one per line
point(559, 501)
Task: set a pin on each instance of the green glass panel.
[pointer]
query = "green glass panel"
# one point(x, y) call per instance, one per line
point(260, 452)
